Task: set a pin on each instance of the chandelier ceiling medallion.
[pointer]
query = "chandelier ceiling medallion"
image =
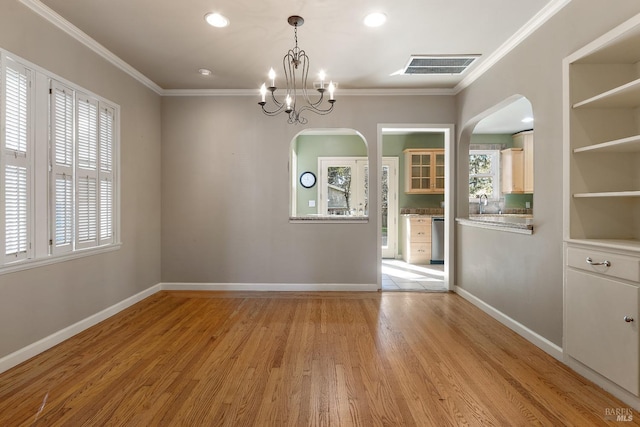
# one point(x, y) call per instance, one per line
point(297, 100)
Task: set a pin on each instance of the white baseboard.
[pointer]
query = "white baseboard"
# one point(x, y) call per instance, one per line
point(25, 353)
point(531, 336)
point(270, 287)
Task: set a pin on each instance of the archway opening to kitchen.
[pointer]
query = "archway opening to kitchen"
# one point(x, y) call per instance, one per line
point(501, 164)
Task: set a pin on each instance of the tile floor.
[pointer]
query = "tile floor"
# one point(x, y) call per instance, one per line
point(397, 275)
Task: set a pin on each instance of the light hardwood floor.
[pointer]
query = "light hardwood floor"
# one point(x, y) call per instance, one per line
point(297, 359)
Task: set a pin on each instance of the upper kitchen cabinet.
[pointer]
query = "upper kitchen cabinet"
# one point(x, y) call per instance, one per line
point(602, 140)
point(512, 168)
point(424, 171)
point(517, 165)
point(525, 140)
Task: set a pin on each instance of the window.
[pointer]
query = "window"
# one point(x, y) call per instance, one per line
point(484, 174)
point(59, 149)
point(16, 162)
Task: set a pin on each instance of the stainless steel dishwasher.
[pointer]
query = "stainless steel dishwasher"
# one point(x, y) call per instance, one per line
point(437, 240)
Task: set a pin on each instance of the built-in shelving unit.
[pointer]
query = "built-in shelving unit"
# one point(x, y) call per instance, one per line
point(602, 210)
point(602, 138)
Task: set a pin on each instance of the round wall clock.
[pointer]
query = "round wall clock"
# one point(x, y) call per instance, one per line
point(307, 179)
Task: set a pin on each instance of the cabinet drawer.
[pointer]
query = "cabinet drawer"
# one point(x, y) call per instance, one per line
point(420, 252)
point(622, 266)
point(596, 332)
point(420, 221)
point(420, 233)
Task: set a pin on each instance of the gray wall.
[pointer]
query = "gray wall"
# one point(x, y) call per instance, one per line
point(38, 302)
point(225, 193)
point(522, 275)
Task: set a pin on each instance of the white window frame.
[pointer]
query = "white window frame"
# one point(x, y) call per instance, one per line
point(495, 173)
point(42, 170)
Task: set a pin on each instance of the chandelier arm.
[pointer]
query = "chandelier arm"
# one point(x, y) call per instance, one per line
point(275, 101)
point(318, 111)
point(304, 59)
point(274, 112)
point(289, 64)
point(317, 103)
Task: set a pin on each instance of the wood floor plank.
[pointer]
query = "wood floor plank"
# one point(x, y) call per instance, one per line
point(300, 359)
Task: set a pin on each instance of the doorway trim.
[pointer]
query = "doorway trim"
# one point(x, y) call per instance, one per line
point(392, 206)
point(449, 214)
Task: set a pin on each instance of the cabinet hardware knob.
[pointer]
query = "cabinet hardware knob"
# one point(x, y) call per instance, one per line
point(628, 319)
point(605, 263)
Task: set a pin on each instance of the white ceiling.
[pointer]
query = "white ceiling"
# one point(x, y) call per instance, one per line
point(167, 41)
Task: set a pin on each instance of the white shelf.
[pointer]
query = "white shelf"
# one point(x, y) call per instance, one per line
point(608, 194)
point(625, 96)
point(624, 145)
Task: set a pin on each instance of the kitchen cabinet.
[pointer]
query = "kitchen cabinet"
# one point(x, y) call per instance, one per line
point(512, 170)
point(424, 171)
point(601, 226)
point(416, 236)
point(525, 140)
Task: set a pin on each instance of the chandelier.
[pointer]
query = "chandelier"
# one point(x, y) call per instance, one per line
point(297, 100)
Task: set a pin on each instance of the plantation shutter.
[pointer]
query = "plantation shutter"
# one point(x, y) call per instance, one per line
point(106, 173)
point(86, 172)
point(62, 100)
point(16, 172)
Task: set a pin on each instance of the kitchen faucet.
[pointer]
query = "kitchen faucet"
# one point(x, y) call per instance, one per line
point(482, 203)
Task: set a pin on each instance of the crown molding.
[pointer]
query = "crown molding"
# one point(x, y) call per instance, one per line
point(54, 18)
point(532, 25)
point(343, 92)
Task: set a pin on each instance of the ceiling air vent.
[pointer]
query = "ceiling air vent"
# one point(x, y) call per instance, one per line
point(421, 65)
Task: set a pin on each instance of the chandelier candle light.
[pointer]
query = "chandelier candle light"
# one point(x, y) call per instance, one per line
point(296, 60)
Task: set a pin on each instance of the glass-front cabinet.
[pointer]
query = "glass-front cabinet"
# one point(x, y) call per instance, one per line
point(424, 171)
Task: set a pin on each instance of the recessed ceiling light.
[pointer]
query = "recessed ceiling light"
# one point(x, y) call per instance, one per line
point(527, 120)
point(204, 71)
point(216, 20)
point(375, 19)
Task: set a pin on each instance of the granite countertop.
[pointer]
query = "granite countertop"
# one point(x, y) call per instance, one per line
point(422, 211)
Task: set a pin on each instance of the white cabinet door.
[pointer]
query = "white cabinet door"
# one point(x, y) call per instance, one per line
point(596, 332)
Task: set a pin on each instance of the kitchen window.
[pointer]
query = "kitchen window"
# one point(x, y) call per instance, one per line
point(59, 163)
point(484, 174)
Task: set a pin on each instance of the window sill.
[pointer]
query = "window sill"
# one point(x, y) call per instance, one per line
point(328, 219)
point(53, 259)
